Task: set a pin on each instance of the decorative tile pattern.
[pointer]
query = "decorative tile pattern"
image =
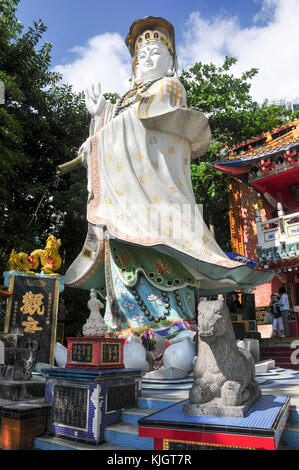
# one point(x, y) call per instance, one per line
point(291, 439)
point(129, 440)
point(261, 416)
point(67, 407)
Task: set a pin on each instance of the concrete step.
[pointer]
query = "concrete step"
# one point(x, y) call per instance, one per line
point(132, 415)
point(168, 387)
point(290, 435)
point(294, 415)
point(123, 434)
point(161, 400)
point(56, 443)
point(264, 366)
point(286, 365)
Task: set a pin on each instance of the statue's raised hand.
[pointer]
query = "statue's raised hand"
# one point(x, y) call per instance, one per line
point(94, 100)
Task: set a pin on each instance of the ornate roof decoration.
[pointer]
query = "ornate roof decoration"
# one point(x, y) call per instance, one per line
point(270, 154)
point(267, 144)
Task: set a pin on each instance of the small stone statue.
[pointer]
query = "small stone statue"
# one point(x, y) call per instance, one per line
point(224, 375)
point(95, 325)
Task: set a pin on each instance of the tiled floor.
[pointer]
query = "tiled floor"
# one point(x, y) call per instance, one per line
point(261, 416)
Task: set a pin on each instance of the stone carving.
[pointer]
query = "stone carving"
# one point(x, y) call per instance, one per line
point(20, 356)
point(95, 325)
point(224, 375)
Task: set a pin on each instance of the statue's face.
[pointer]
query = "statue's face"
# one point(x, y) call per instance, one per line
point(153, 61)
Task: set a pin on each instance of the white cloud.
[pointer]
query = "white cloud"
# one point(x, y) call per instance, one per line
point(104, 59)
point(270, 44)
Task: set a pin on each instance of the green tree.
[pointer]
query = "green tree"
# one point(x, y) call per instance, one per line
point(42, 124)
point(234, 117)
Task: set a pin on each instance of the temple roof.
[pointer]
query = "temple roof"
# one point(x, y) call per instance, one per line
point(280, 139)
point(272, 155)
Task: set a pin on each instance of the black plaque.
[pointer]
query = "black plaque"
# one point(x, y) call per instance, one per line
point(70, 405)
point(110, 353)
point(33, 309)
point(82, 352)
point(120, 396)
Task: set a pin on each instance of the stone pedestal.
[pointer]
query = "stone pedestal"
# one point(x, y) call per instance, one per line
point(22, 422)
point(84, 402)
point(21, 390)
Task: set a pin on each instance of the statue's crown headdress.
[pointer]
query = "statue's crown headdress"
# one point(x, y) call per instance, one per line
point(151, 29)
point(152, 36)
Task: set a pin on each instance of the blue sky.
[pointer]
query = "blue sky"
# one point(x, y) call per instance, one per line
point(73, 22)
point(87, 38)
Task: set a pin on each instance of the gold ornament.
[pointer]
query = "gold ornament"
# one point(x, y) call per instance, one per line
point(162, 266)
point(124, 259)
point(48, 258)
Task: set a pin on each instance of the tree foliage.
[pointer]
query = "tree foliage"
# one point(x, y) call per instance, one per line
point(42, 124)
point(234, 117)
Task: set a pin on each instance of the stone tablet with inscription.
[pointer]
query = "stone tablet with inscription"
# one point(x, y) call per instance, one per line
point(33, 308)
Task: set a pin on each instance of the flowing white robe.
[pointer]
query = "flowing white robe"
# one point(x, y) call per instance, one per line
point(140, 189)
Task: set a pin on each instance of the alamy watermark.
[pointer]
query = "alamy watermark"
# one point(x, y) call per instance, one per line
point(2, 92)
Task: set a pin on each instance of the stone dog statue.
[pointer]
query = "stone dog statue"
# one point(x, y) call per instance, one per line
point(224, 375)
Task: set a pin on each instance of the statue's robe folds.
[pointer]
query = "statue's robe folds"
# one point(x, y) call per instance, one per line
point(146, 236)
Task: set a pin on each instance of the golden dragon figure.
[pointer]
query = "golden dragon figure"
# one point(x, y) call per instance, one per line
point(49, 259)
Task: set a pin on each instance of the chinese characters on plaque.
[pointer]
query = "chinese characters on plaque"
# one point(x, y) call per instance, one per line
point(95, 352)
point(70, 405)
point(82, 352)
point(33, 308)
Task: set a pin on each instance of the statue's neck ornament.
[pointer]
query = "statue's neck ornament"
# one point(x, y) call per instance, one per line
point(133, 95)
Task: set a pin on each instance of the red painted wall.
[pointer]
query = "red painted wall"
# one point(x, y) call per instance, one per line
point(250, 201)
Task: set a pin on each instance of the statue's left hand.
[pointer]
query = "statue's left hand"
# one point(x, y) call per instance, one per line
point(94, 100)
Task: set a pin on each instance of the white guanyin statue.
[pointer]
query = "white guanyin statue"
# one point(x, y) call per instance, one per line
point(147, 250)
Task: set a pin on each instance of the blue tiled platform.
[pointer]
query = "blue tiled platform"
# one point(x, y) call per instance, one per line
point(260, 429)
point(261, 417)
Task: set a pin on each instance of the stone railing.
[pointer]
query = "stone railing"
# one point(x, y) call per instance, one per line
point(278, 238)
